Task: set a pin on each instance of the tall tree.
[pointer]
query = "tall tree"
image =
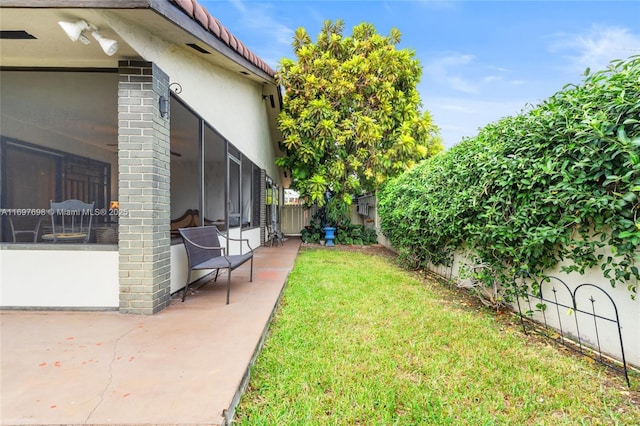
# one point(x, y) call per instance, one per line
point(351, 116)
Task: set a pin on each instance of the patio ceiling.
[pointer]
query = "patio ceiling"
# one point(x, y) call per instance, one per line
point(51, 47)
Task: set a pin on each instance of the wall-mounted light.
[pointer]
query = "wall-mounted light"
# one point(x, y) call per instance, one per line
point(77, 31)
point(163, 106)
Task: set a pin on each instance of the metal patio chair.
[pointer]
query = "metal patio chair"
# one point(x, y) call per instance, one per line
point(70, 222)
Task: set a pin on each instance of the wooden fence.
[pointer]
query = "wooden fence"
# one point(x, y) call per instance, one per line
point(294, 218)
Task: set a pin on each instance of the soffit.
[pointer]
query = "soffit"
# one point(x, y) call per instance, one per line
point(52, 48)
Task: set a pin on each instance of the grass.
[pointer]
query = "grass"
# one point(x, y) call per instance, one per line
point(358, 341)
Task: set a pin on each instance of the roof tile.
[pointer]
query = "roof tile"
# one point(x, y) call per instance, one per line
point(186, 6)
point(201, 15)
point(224, 35)
point(196, 11)
point(233, 42)
point(214, 26)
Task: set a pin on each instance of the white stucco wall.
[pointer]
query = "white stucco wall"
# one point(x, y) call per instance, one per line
point(228, 100)
point(59, 277)
point(628, 309)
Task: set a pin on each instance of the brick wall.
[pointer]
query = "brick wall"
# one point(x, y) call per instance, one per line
point(144, 192)
point(263, 206)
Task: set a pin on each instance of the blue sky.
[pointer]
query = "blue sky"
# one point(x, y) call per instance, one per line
point(482, 60)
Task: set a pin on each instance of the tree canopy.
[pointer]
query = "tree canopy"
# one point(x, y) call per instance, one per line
point(352, 114)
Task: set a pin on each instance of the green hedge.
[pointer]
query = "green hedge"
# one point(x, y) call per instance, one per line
point(559, 181)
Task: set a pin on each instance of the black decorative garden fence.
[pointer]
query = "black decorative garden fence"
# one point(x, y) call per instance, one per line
point(541, 305)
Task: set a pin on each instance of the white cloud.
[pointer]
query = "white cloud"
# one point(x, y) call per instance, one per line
point(464, 95)
point(445, 70)
point(436, 4)
point(239, 5)
point(456, 59)
point(462, 73)
point(492, 78)
point(455, 107)
point(459, 117)
point(597, 47)
point(460, 84)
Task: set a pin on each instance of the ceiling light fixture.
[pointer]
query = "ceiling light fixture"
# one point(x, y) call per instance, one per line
point(109, 46)
point(75, 30)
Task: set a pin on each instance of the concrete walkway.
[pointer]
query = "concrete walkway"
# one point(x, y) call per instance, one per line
point(184, 365)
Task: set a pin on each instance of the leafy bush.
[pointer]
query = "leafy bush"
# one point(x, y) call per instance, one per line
point(312, 233)
point(560, 181)
point(345, 234)
point(369, 236)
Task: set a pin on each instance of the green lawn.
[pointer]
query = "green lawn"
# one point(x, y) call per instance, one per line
point(359, 341)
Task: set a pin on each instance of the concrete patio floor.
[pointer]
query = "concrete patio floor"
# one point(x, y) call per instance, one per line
point(184, 365)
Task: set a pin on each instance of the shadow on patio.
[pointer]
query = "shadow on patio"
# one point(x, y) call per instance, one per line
point(184, 365)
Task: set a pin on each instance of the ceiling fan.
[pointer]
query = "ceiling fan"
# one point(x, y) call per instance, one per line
point(174, 153)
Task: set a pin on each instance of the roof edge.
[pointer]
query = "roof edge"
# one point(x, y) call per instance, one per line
point(212, 25)
point(190, 8)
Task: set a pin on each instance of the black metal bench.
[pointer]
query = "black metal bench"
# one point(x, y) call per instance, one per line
point(205, 252)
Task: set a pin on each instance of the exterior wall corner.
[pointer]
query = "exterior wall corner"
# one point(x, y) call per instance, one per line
point(144, 188)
